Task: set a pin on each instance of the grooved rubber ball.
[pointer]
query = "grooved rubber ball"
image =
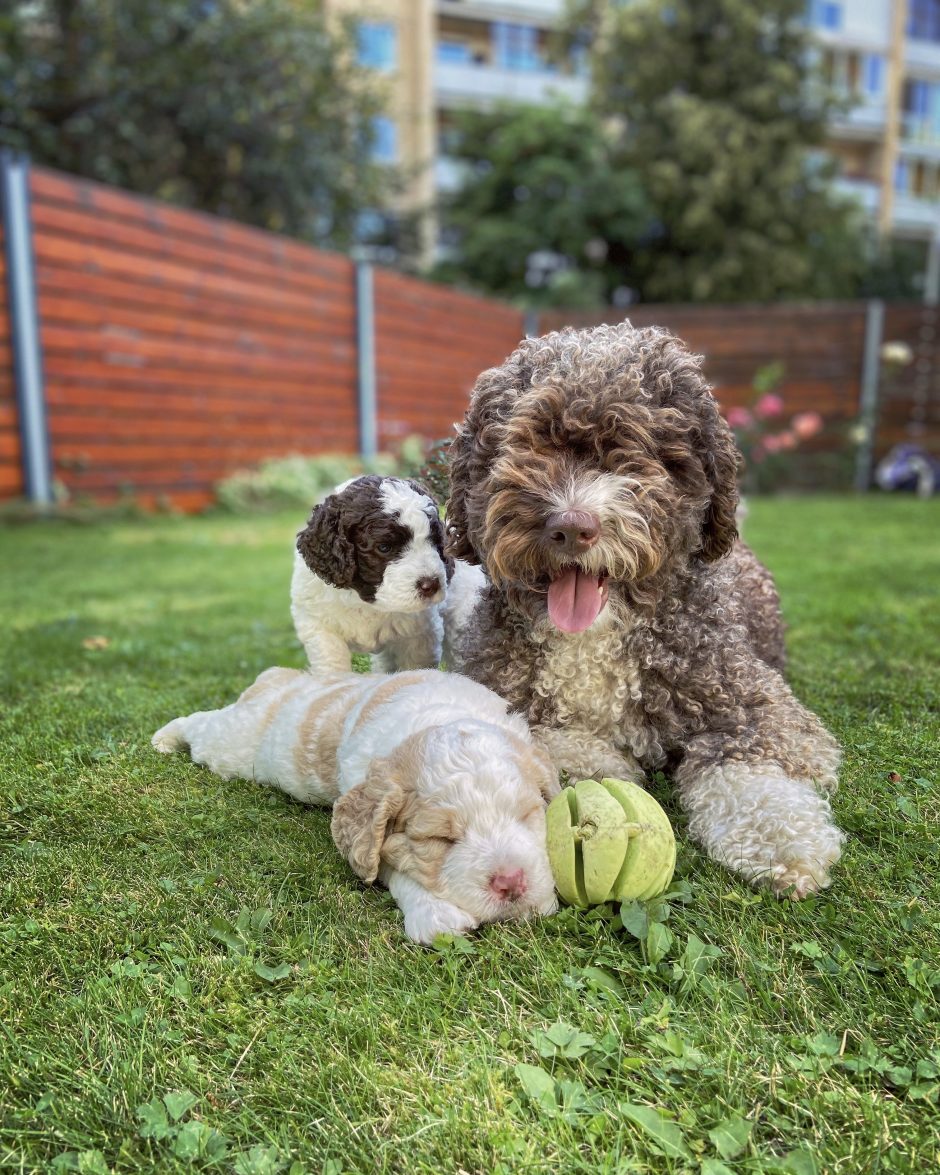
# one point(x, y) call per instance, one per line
point(608, 841)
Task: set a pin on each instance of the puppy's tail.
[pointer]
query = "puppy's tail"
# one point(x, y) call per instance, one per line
point(172, 737)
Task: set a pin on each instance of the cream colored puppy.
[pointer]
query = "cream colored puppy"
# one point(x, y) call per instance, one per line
point(436, 790)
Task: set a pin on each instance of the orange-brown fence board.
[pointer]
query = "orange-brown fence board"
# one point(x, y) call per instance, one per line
point(178, 348)
point(431, 343)
point(820, 347)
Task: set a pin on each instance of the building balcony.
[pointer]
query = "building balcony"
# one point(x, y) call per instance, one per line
point(863, 192)
point(863, 121)
point(911, 215)
point(541, 12)
point(915, 215)
point(920, 137)
point(485, 85)
point(922, 56)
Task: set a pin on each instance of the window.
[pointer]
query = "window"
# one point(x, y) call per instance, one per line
point(902, 176)
point(384, 140)
point(917, 97)
point(825, 14)
point(923, 20)
point(516, 46)
point(873, 75)
point(454, 53)
point(377, 45)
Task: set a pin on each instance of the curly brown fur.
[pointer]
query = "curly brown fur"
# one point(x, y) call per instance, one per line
point(651, 637)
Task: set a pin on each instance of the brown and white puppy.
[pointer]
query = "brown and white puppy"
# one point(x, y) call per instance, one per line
point(370, 576)
point(436, 790)
point(595, 481)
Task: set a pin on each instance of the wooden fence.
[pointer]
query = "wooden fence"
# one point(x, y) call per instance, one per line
point(177, 348)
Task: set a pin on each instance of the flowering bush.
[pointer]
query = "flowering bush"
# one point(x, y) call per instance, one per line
point(764, 432)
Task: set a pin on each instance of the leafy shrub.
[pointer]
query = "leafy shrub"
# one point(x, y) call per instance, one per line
point(281, 483)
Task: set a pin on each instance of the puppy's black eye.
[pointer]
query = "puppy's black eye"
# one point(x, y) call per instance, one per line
point(384, 548)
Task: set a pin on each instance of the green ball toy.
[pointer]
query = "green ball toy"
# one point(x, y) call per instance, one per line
point(608, 842)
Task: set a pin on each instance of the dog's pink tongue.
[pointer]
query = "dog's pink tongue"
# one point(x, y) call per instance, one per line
point(575, 600)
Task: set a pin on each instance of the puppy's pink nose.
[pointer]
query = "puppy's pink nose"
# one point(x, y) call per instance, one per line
point(509, 887)
point(428, 587)
point(572, 532)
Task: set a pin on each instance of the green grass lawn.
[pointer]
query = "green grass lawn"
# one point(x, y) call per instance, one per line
point(191, 977)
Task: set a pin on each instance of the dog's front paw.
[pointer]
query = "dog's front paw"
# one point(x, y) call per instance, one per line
point(425, 923)
point(806, 870)
point(616, 766)
point(169, 738)
point(770, 829)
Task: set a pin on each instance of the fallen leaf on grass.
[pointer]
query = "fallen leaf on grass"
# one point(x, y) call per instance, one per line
point(96, 642)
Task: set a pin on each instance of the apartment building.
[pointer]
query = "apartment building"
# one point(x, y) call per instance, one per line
point(440, 56)
point(884, 57)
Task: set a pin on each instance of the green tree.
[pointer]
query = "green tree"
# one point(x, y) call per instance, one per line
point(545, 213)
point(723, 117)
point(252, 109)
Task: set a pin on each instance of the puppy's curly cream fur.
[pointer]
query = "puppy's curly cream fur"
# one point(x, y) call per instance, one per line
point(436, 790)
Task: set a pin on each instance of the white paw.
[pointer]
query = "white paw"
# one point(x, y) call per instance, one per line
point(807, 874)
point(167, 740)
point(430, 919)
point(770, 829)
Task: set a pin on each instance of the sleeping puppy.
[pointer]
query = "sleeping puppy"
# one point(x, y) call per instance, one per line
point(370, 577)
point(436, 790)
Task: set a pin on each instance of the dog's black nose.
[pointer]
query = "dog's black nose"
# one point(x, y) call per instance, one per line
point(428, 587)
point(572, 532)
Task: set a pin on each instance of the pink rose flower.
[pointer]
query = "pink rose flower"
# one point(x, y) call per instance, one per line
point(768, 406)
point(772, 444)
point(806, 424)
point(739, 418)
point(788, 440)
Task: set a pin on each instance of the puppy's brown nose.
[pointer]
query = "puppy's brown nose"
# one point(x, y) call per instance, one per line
point(428, 587)
point(509, 887)
point(572, 532)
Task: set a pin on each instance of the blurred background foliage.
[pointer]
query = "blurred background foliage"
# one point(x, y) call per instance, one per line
point(251, 110)
point(694, 175)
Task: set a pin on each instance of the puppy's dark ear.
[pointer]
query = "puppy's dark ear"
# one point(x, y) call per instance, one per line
point(326, 546)
point(438, 539)
point(722, 460)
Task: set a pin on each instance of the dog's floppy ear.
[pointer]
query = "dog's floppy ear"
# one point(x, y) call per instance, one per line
point(470, 457)
point(440, 542)
point(326, 546)
point(721, 459)
point(361, 818)
point(457, 540)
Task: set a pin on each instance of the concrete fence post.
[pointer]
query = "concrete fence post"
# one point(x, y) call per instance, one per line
point(365, 359)
point(23, 310)
point(868, 393)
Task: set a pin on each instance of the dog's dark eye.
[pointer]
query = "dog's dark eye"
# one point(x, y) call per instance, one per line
point(384, 548)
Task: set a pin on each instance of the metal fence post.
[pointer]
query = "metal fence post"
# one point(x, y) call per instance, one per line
point(365, 356)
point(24, 327)
point(531, 324)
point(868, 392)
